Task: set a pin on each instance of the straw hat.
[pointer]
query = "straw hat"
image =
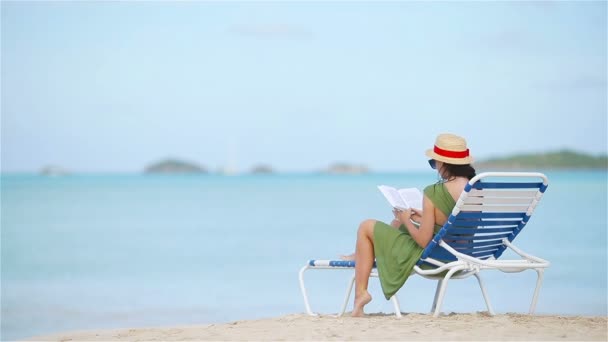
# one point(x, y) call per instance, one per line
point(451, 149)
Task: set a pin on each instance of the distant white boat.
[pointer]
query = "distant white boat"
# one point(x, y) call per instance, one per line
point(227, 171)
point(231, 168)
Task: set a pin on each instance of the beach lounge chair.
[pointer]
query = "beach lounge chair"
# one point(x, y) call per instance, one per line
point(491, 211)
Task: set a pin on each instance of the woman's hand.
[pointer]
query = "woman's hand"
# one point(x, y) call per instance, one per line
point(395, 212)
point(416, 215)
point(395, 223)
point(403, 216)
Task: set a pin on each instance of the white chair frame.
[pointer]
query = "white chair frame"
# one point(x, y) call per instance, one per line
point(464, 267)
point(324, 265)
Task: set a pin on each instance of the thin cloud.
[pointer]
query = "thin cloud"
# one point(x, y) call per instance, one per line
point(271, 31)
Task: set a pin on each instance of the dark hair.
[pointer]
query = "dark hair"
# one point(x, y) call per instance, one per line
point(452, 170)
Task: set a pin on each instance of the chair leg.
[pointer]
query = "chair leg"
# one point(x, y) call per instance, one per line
point(439, 282)
point(303, 289)
point(485, 295)
point(442, 287)
point(395, 301)
point(347, 297)
point(309, 311)
point(539, 280)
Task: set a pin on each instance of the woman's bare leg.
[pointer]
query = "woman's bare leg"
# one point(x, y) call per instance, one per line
point(364, 261)
point(352, 257)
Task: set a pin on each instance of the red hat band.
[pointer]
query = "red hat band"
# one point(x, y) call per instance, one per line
point(451, 154)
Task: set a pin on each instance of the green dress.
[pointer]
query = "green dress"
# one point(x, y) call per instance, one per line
point(395, 249)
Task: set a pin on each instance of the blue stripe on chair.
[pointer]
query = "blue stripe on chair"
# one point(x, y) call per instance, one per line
point(482, 215)
point(468, 244)
point(511, 237)
point(335, 263)
point(479, 234)
point(342, 263)
point(470, 251)
point(476, 237)
point(477, 223)
point(506, 185)
point(469, 231)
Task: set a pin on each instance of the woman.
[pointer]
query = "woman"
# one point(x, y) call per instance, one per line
point(398, 246)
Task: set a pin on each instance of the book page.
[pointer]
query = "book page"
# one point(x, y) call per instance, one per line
point(393, 197)
point(412, 197)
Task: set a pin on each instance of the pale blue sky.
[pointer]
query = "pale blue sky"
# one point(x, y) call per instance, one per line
point(111, 87)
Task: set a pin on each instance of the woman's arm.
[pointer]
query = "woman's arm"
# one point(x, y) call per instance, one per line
point(423, 234)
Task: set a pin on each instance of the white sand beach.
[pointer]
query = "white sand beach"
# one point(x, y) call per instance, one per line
point(452, 327)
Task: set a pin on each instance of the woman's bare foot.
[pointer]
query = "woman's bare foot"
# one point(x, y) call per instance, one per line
point(348, 257)
point(360, 302)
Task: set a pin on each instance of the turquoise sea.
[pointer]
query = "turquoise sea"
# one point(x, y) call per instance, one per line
point(106, 251)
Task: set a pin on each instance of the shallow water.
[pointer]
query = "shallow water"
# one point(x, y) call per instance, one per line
point(101, 251)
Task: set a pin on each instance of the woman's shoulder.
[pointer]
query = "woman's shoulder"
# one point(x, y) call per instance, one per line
point(433, 188)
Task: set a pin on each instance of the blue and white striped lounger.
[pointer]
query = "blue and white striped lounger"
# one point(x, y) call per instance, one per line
point(491, 211)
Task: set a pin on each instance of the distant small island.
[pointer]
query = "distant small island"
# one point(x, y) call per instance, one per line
point(54, 170)
point(344, 168)
point(262, 169)
point(174, 166)
point(564, 159)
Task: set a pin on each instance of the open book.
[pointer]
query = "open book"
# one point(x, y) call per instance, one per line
point(402, 198)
